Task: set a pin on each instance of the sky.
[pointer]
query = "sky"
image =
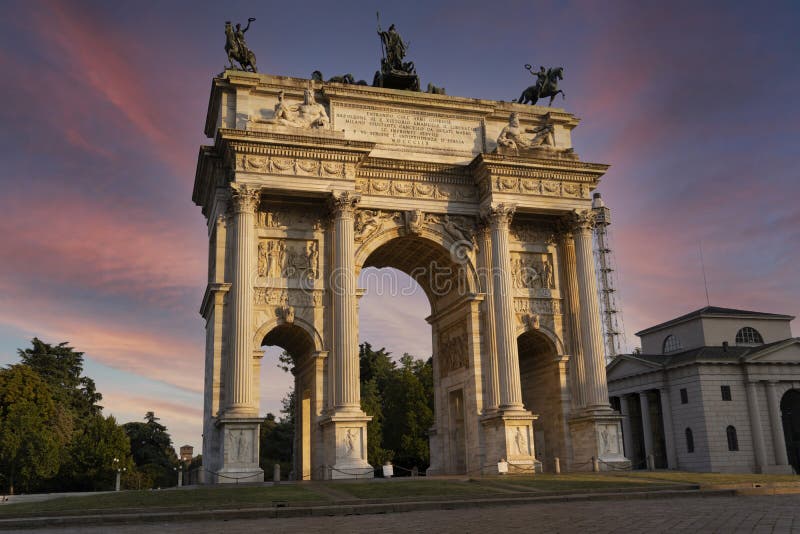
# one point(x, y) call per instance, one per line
point(694, 105)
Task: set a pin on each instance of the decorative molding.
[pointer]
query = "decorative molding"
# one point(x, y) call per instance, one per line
point(298, 298)
point(294, 166)
point(537, 306)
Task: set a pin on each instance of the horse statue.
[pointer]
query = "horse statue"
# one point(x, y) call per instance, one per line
point(236, 48)
point(548, 86)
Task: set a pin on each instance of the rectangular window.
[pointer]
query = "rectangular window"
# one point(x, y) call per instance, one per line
point(726, 393)
point(684, 396)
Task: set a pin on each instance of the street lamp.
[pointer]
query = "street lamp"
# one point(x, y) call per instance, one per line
point(119, 472)
point(180, 475)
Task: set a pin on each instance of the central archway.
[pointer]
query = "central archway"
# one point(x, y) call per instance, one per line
point(446, 276)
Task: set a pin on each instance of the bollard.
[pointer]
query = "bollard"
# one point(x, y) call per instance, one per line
point(414, 471)
point(118, 477)
point(557, 465)
point(180, 478)
point(388, 470)
point(595, 465)
point(276, 474)
point(651, 462)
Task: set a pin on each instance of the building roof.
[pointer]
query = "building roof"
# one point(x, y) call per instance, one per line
point(715, 311)
point(718, 354)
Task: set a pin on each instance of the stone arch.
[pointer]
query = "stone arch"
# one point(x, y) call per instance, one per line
point(308, 328)
point(543, 382)
point(558, 345)
point(438, 247)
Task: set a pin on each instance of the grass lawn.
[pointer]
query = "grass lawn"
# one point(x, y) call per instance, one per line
point(416, 488)
point(196, 498)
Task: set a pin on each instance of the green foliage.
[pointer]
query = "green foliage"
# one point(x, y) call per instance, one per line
point(61, 367)
point(277, 444)
point(33, 428)
point(152, 451)
point(400, 401)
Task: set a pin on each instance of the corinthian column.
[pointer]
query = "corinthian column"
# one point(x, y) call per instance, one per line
point(492, 385)
point(503, 297)
point(347, 389)
point(577, 367)
point(239, 383)
point(591, 336)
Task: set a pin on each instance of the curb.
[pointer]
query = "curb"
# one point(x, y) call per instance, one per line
point(341, 509)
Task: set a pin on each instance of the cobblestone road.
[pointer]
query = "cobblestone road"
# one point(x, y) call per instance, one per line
point(713, 514)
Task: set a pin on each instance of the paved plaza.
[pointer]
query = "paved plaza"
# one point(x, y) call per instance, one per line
point(711, 514)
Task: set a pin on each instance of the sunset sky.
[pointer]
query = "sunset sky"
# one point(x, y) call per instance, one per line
point(694, 105)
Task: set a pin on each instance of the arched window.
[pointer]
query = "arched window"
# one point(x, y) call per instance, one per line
point(689, 440)
point(733, 441)
point(671, 344)
point(749, 336)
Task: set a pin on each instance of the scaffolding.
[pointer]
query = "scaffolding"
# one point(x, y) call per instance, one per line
point(613, 331)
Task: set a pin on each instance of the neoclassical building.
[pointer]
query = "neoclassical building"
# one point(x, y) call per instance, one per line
point(485, 204)
point(717, 390)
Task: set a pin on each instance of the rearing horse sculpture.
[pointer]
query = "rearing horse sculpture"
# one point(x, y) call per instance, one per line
point(237, 49)
point(549, 88)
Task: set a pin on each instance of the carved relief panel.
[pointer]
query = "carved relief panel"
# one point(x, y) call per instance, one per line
point(284, 219)
point(350, 443)
point(453, 349)
point(240, 445)
point(288, 258)
point(519, 442)
point(532, 271)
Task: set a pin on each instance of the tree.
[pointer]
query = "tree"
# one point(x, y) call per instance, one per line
point(33, 428)
point(61, 367)
point(408, 412)
point(152, 451)
point(90, 465)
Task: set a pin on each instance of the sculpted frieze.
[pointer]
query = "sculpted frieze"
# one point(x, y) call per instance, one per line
point(414, 189)
point(267, 164)
point(283, 298)
point(532, 233)
point(284, 258)
point(532, 271)
point(284, 219)
point(506, 184)
point(453, 349)
point(540, 306)
point(370, 222)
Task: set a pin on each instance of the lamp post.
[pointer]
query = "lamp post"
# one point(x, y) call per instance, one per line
point(119, 471)
point(180, 474)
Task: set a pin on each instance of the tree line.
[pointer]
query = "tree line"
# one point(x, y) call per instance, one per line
point(54, 436)
point(398, 396)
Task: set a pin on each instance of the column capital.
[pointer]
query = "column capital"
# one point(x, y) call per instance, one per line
point(499, 214)
point(244, 197)
point(578, 221)
point(343, 203)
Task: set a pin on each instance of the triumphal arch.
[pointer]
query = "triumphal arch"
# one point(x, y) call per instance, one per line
point(485, 204)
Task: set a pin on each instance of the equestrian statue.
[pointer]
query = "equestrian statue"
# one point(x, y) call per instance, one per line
point(236, 47)
point(546, 85)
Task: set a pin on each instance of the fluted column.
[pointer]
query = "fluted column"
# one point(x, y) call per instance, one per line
point(778, 441)
point(589, 317)
point(647, 426)
point(503, 296)
point(347, 389)
point(492, 385)
point(669, 434)
point(755, 425)
point(577, 367)
point(239, 383)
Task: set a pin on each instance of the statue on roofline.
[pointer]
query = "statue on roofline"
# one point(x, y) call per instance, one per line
point(236, 47)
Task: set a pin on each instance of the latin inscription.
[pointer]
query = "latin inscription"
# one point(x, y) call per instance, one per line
point(413, 129)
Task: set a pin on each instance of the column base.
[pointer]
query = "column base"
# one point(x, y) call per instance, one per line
point(597, 433)
point(344, 434)
point(776, 470)
point(239, 451)
point(509, 438)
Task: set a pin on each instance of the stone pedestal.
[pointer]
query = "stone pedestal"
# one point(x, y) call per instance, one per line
point(598, 435)
point(509, 436)
point(345, 443)
point(240, 444)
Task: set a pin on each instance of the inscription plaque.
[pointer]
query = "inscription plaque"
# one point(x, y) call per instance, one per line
point(420, 129)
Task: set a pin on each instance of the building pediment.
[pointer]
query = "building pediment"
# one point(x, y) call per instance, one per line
point(627, 365)
point(786, 351)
